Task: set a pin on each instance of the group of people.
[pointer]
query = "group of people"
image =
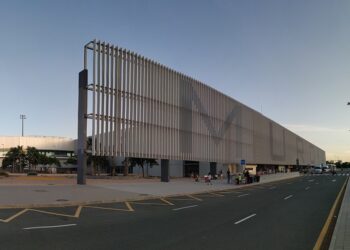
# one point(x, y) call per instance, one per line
point(239, 178)
point(244, 177)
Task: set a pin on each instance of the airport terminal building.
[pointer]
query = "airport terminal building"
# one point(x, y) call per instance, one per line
point(137, 107)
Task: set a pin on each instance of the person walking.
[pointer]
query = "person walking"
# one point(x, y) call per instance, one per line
point(228, 176)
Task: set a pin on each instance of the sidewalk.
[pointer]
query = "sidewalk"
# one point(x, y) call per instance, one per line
point(36, 191)
point(341, 234)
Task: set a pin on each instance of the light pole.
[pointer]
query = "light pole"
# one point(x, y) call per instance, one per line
point(3, 149)
point(22, 117)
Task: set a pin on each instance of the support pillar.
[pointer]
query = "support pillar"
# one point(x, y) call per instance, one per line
point(82, 126)
point(213, 168)
point(164, 170)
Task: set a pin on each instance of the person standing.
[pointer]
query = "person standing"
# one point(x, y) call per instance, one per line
point(228, 176)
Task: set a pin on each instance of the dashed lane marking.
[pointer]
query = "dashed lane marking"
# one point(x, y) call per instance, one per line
point(242, 195)
point(307, 188)
point(181, 208)
point(48, 227)
point(334, 180)
point(288, 197)
point(272, 187)
point(244, 219)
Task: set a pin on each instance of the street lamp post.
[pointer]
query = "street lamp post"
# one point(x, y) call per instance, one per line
point(3, 149)
point(22, 117)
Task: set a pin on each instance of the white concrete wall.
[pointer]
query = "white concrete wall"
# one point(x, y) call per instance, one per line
point(39, 142)
point(176, 168)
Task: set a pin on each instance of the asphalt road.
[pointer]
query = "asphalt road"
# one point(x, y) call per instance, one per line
point(281, 215)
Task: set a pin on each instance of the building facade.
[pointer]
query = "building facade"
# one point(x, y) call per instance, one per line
point(140, 108)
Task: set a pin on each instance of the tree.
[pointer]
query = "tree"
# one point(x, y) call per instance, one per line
point(32, 157)
point(338, 164)
point(127, 164)
point(97, 162)
point(141, 162)
point(48, 160)
point(16, 158)
point(72, 160)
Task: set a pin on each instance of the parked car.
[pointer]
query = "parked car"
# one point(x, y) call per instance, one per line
point(316, 170)
point(326, 169)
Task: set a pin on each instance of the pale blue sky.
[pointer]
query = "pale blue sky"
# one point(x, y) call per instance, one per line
point(288, 59)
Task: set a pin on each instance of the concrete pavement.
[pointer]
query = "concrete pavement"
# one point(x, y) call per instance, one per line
point(40, 191)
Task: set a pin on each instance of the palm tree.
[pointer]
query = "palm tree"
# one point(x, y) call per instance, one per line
point(33, 157)
point(16, 156)
point(141, 162)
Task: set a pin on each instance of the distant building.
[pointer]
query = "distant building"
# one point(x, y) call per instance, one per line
point(60, 147)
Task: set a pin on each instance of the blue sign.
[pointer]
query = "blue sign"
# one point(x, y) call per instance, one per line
point(242, 162)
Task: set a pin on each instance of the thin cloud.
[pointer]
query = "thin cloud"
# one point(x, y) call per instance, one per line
point(312, 128)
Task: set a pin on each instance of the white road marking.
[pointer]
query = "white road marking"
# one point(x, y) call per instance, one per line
point(46, 227)
point(272, 187)
point(242, 195)
point(316, 183)
point(334, 180)
point(289, 196)
point(307, 188)
point(246, 218)
point(311, 180)
point(180, 208)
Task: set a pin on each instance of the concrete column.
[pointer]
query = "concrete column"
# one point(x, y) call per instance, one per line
point(164, 170)
point(213, 168)
point(82, 125)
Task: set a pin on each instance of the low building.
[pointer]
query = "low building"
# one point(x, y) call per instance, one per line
point(60, 147)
